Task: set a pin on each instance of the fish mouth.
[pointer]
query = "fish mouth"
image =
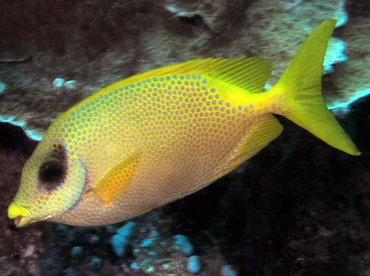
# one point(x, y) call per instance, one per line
point(19, 222)
point(18, 213)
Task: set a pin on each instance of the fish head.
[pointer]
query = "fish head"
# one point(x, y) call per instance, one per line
point(52, 182)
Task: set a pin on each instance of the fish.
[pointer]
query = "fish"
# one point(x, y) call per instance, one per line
point(161, 135)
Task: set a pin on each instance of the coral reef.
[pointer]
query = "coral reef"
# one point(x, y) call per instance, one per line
point(297, 208)
point(352, 78)
point(212, 12)
point(94, 43)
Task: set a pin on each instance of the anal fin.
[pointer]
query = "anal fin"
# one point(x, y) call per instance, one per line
point(264, 130)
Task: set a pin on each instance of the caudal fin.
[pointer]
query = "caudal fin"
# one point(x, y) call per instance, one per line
point(299, 89)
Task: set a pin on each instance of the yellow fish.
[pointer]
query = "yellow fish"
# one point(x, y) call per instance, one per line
point(158, 136)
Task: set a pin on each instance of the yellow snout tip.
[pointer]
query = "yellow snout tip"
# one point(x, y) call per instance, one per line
point(17, 212)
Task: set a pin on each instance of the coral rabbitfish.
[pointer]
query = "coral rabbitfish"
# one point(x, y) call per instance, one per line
point(160, 135)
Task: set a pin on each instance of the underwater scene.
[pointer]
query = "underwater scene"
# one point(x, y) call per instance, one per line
point(194, 137)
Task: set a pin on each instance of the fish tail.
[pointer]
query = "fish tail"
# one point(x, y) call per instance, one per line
point(298, 92)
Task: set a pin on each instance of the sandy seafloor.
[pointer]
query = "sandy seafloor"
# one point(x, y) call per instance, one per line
point(297, 208)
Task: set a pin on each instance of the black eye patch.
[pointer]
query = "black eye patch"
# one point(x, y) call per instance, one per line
point(53, 171)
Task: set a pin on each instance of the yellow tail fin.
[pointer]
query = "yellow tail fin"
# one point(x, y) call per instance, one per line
point(299, 89)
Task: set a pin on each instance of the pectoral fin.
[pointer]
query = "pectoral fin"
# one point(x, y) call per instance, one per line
point(117, 180)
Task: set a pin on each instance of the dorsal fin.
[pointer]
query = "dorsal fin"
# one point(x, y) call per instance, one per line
point(251, 73)
point(247, 73)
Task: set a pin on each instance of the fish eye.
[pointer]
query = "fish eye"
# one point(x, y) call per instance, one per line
point(51, 172)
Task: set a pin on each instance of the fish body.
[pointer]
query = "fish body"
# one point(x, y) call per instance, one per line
point(161, 135)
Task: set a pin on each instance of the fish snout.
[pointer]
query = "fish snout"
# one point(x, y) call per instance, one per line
point(19, 213)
